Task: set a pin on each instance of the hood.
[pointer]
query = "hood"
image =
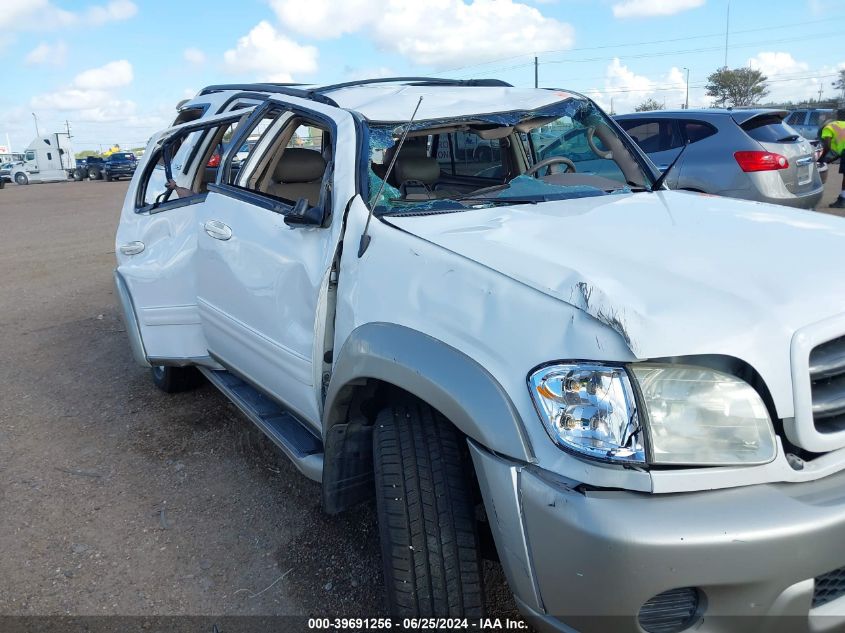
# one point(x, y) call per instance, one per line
point(674, 273)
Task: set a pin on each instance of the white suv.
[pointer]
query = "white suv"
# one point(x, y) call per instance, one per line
point(640, 393)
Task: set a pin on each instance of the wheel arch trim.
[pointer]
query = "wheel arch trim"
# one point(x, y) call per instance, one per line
point(440, 375)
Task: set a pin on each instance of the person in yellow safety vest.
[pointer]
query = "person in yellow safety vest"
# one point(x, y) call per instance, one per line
point(832, 136)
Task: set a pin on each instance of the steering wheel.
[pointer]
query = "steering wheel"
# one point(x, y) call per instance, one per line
point(592, 144)
point(551, 160)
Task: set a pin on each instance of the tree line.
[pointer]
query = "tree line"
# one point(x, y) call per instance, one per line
point(738, 87)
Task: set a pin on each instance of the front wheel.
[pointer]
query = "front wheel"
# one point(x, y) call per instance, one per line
point(77, 174)
point(21, 179)
point(175, 379)
point(93, 174)
point(108, 177)
point(426, 515)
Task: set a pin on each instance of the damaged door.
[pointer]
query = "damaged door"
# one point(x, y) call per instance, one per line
point(267, 237)
point(156, 242)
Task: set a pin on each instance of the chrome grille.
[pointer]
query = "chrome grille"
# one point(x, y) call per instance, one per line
point(829, 587)
point(827, 377)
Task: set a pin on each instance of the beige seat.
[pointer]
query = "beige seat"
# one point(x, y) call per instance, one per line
point(298, 174)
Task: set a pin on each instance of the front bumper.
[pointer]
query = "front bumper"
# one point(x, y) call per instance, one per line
point(587, 561)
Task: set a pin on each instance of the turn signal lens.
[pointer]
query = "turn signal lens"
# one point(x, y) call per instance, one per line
point(760, 161)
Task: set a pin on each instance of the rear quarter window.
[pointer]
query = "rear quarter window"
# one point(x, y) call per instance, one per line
point(695, 131)
point(769, 129)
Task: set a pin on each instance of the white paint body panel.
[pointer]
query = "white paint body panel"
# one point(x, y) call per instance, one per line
point(614, 278)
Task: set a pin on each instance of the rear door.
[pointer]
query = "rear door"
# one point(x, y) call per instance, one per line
point(773, 135)
point(262, 282)
point(156, 242)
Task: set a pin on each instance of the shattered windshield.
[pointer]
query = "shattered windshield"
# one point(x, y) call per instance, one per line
point(564, 151)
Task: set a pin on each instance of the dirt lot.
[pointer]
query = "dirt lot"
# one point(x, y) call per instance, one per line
point(118, 499)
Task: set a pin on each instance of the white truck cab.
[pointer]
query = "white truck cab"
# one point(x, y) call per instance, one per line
point(639, 393)
point(46, 159)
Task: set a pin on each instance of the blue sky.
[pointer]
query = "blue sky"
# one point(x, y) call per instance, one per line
point(116, 68)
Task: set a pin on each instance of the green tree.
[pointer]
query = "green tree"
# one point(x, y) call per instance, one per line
point(839, 84)
point(649, 104)
point(739, 87)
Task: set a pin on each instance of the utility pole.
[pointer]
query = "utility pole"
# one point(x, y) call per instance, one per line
point(611, 107)
point(37, 133)
point(67, 127)
point(686, 101)
point(727, 29)
point(536, 73)
point(820, 93)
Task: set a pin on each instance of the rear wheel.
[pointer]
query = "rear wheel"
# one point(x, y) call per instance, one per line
point(175, 379)
point(93, 174)
point(77, 174)
point(21, 179)
point(426, 515)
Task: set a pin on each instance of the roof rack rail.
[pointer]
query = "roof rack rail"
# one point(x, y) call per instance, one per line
point(285, 89)
point(416, 81)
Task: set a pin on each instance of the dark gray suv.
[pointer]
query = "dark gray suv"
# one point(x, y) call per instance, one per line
point(750, 154)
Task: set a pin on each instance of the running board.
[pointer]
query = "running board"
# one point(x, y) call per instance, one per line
point(285, 430)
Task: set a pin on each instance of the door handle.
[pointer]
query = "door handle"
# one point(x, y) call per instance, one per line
point(218, 230)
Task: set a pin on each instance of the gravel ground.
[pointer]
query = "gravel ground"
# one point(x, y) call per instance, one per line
point(118, 499)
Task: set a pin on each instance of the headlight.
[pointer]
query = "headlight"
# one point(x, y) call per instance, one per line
point(704, 417)
point(690, 415)
point(589, 409)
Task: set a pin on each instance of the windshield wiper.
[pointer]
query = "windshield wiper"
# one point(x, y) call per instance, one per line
point(662, 178)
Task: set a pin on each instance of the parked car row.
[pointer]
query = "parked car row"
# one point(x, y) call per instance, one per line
point(114, 167)
point(635, 396)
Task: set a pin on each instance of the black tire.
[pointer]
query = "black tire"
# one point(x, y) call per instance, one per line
point(77, 174)
point(426, 515)
point(107, 177)
point(93, 174)
point(21, 179)
point(175, 379)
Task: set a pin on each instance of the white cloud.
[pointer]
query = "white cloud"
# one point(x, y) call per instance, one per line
point(89, 89)
point(194, 56)
point(647, 8)
point(69, 99)
point(111, 75)
point(269, 55)
point(43, 15)
point(627, 89)
point(326, 18)
point(438, 33)
point(112, 12)
point(46, 54)
point(790, 79)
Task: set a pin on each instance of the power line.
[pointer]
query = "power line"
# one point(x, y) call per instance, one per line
point(645, 43)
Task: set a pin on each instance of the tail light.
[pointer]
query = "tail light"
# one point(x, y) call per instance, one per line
point(214, 161)
point(760, 161)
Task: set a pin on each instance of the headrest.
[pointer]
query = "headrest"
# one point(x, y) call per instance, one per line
point(413, 146)
point(420, 168)
point(299, 165)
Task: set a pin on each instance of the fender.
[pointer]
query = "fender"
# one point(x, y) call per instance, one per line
point(438, 374)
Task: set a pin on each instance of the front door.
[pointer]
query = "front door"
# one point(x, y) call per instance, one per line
point(262, 283)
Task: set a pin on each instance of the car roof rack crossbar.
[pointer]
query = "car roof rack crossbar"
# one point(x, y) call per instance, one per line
point(285, 89)
point(416, 81)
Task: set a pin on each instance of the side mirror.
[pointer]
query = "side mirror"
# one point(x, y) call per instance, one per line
point(303, 214)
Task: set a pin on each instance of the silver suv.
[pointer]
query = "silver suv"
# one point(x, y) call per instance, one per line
point(750, 154)
point(637, 394)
